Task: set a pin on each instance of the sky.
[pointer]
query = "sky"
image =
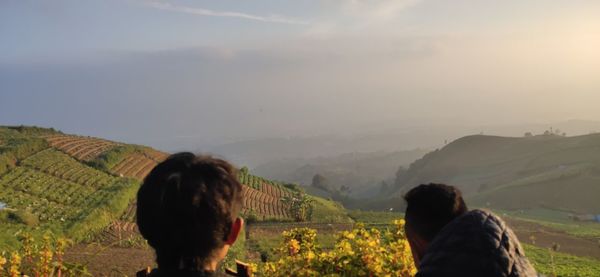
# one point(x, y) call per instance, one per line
point(155, 72)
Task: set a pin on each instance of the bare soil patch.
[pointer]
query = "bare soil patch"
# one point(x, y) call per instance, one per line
point(546, 237)
point(110, 261)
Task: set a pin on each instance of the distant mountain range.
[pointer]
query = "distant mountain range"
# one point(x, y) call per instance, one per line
point(256, 152)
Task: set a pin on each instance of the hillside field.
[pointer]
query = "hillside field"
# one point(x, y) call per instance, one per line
point(83, 188)
point(544, 171)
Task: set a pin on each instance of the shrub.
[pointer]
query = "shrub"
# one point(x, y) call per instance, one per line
point(39, 259)
point(300, 205)
point(112, 157)
point(359, 252)
point(23, 217)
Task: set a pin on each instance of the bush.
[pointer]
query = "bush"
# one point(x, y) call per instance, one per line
point(97, 218)
point(359, 252)
point(39, 259)
point(112, 157)
point(17, 150)
point(300, 205)
point(18, 217)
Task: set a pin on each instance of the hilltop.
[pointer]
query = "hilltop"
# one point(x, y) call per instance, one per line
point(549, 171)
point(84, 187)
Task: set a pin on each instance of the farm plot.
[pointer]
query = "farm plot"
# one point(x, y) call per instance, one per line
point(136, 165)
point(81, 148)
point(46, 196)
point(274, 190)
point(264, 205)
point(155, 155)
point(62, 166)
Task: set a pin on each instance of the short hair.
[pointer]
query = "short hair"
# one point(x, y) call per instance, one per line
point(430, 207)
point(186, 208)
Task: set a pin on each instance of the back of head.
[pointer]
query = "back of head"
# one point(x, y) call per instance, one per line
point(431, 207)
point(186, 207)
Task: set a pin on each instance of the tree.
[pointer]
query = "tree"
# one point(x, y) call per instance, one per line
point(384, 188)
point(300, 206)
point(321, 182)
point(400, 176)
point(528, 134)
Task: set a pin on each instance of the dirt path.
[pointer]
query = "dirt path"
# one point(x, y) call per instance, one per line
point(547, 236)
point(112, 261)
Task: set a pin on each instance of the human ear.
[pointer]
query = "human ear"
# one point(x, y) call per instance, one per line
point(236, 228)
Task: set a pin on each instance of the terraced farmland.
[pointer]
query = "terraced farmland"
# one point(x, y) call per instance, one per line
point(48, 197)
point(81, 148)
point(136, 165)
point(60, 165)
point(263, 204)
point(76, 183)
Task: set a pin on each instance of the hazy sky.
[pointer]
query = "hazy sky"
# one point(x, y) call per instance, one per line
point(155, 71)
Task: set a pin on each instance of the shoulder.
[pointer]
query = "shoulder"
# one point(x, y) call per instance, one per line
point(478, 242)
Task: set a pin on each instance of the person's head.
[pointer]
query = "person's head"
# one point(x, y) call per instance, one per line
point(428, 209)
point(187, 210)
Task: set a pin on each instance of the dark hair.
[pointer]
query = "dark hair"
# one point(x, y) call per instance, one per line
point(430, 207)
point(186, 207)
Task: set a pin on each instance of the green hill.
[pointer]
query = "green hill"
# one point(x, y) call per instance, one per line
point(79, 186)
point(516, 173)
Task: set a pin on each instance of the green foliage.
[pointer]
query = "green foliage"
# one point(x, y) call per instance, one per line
point(328, 211)
point(300, 206)
point(73, 209)
point(16, 149)
point(558, 220)
point(41, 256)
point(250, 216)
point(58, 164)
point(50, 198)
point(96, 218)
point(321, 182)
point(33, 130)
point(359, 252)
point(293, 187)
point(19, 217)
point(374, 217)
point(112, 157)
point(553, 263)
point(256, 182)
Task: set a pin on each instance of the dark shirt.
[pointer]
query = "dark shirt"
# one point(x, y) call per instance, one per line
point(476, 244)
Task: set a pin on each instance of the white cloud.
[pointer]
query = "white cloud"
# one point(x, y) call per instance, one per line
point(380, 10)
point(207, 12)
point(361, 16)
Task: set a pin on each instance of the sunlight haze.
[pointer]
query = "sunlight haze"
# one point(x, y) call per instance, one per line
point(305, 68)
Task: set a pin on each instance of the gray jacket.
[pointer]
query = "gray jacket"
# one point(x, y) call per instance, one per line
point(477, 244)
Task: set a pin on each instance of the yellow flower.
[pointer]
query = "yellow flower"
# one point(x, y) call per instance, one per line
point(15, 264)
point(294, 247)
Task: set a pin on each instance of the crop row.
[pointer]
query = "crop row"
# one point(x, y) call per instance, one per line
point(275, 189)
point(260, 203)
point(264, 204)
point(129, 214)
point(45, 195)
point(64, 167)
point(44, 209)
point(136, 165)
point(155, 155)
point(81, 148)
